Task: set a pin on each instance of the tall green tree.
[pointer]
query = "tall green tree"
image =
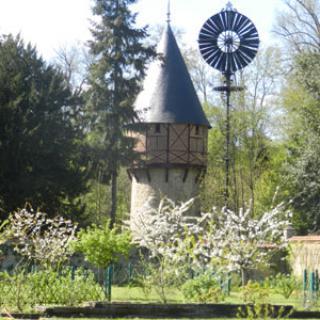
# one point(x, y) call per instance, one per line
point(114, 81)
point(299, 27)
point(301, 99)
point(39, 144)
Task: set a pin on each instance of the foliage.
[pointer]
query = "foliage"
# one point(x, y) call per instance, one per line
point(98, 198)
point(203, 288)
point(23, 290)
point(236, 240)
point(257, 153)
point(284, 284)
point(301, 99)
point(220, 238)
point(298, 25)
point(3, 234)
point(41, 239)
point(102, 246)
point(158, 274)
point(253, 293)
point(114, 81)
point(156, 230)
point(40, 147)
point(263, 311)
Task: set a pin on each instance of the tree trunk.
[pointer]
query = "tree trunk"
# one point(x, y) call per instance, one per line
point(113, 199)
point(244, 277)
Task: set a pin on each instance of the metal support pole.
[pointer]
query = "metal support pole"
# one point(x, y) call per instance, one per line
point(227, 88)
point(227, 151)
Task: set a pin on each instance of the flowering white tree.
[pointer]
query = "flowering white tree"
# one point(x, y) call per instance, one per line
point(221, 239)
point(160, 230)
point(40, 238)
point(239, 242)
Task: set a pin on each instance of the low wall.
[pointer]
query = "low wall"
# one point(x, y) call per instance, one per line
point(173, 311)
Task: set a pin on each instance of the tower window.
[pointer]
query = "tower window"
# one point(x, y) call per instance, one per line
point(158, 128)
point(197, 130)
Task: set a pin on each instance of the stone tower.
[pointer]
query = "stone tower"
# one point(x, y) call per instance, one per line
point(172, 139)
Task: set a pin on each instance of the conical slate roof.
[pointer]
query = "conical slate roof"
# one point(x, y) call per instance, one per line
point(168, 94)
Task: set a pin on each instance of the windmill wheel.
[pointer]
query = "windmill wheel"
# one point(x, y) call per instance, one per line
point(228, 41)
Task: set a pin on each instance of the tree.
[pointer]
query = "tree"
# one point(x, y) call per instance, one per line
point(40, 159)
point(299, 25)
point(74, 62)
point(114, 81)
point(301, 100)
point(236, 241)
point(218, 241)
point(41, 239)
point(255, 148)
point(201, 75)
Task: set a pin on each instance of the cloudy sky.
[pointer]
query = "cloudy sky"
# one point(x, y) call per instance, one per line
point(50, 24)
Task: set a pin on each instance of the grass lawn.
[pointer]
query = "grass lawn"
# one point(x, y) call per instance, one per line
point(123, 294)
point(137, 295)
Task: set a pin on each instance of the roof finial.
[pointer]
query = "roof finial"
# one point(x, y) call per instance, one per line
point(229, 7)
point(168, 13)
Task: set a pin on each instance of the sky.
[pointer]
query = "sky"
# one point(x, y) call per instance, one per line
point(51, 24)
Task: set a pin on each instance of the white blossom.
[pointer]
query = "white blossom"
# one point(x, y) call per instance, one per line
point(218, 239)
point(40, 238)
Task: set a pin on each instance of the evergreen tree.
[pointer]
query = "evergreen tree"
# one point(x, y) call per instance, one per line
point(39, 145)
point(114, 81)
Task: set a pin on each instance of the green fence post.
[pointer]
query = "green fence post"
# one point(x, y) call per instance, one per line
point(311, 284)
point(229, 285)
point(305, 286)
point(108, 282)
point(130, 271)
point(73, 272)
point(312, 287)
point(305, 280)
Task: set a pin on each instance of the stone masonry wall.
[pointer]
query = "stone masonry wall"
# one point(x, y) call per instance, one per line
point(156, 187)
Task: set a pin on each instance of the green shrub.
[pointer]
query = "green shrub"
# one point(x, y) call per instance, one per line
point(253, 292)
point(102, 246)
point(284, 284)
point(24, 290)
point(263, 312)
point(204, 288)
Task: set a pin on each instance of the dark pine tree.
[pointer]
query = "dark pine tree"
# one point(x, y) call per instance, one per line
point(39, 144)
point(114, 80)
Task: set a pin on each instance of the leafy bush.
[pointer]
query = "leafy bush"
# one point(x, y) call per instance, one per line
point(204, 288)
point(253, 293)
point(160, 274)
point(263, 311)
point(24, 290)
point(102, 246)
point(284, 284)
